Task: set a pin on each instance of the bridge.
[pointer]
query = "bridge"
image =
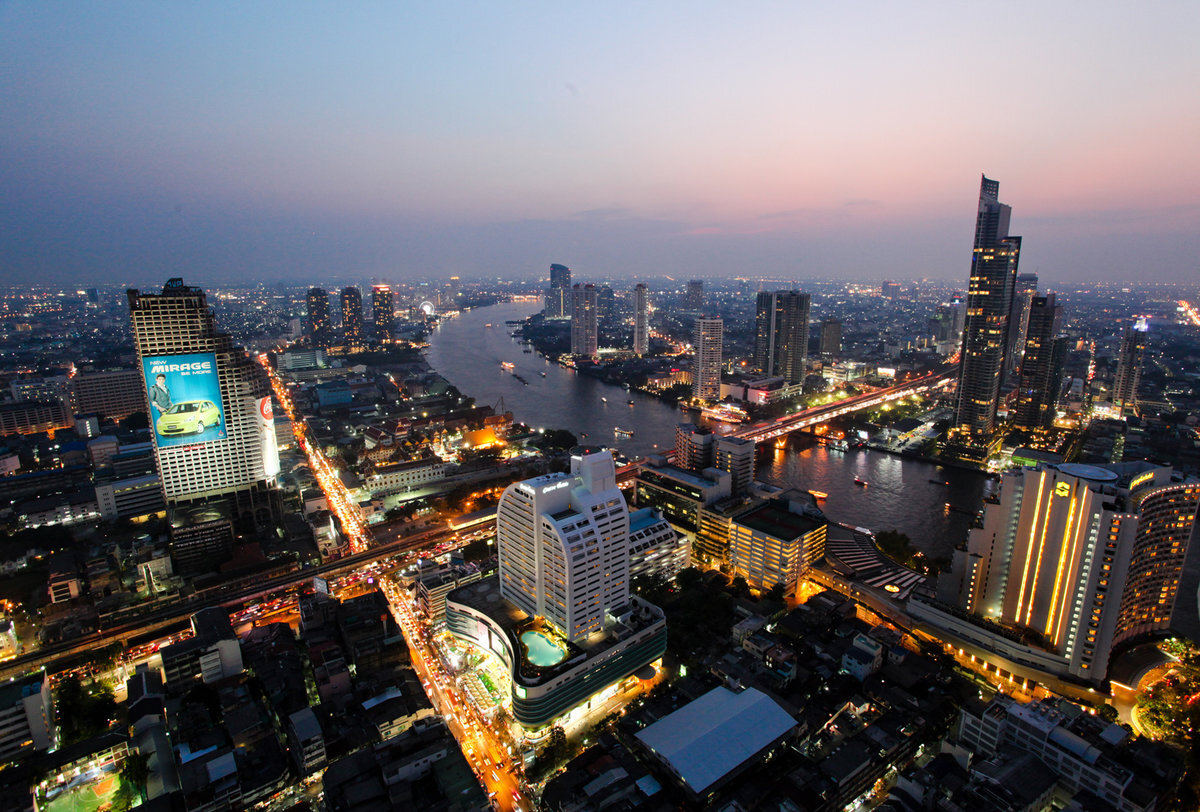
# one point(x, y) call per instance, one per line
point(762, 432)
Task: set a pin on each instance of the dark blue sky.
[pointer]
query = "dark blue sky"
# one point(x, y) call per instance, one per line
point(293, 140)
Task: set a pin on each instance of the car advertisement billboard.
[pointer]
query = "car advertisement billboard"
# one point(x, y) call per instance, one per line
point(185, 398)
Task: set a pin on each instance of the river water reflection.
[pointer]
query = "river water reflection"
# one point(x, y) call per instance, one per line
point(908, 495)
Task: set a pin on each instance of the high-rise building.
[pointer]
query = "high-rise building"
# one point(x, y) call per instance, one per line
point(209, 405)
point(606, 304)
point(320, 328)
point(831, 338)
point(1129, 368)
point(781, 334)
point(563, 544)
point(114, 393)
point(352, 317)
point(383, 312)
point(1041, 367)
point(890, 290)
point(707, 337)
point(735, 456)
point(1023, 293)
point(585, 336)
point(695, 296)
point(558, 297)
point(989, 310)
point(1083, 556)
point(693, 447)
point(641, 320)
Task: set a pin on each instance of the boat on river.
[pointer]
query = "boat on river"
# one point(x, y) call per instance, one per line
point(620, 432)
point(860, 481)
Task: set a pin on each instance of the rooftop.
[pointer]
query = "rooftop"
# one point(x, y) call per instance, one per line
point(778, 522)
point(709, 738)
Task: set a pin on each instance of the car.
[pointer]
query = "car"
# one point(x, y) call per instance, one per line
point(188, 417)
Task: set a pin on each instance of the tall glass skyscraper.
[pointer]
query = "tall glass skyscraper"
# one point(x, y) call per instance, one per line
point(1041, 366)
point(352, 317)
point(320, 330)
point(558, 297)
point(641, 320)
point(989, 314)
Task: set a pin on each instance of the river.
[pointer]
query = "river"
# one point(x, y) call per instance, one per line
point(905, 494)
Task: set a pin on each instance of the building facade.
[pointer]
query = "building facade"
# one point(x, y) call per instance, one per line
point(641, 320)
point(383, 313)
point(1129, 368)
point(1041, 365)
point(242, 464)
point(115, 393)
point(558, 296)
point(989, 311)
point(781, 334)
point(352, 317)
point(585, 335)
point(707, 338)
point(320, 328)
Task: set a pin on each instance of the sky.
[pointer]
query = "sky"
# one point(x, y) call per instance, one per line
point(306, 141)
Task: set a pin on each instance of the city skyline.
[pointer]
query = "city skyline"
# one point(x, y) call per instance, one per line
point(172, 143)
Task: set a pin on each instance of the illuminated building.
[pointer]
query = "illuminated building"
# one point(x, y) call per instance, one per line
point(781, 334)
point(641, 320)
point(558, 297)
point(26, 716)
point(989, 310)
point(707, 338)
point(693, 447)
point(735, 456)
point(585, 335)
point(320, 328)
point(1080, 557)
point(1129, 368)
point(235, 458)
point(1023, 293)
point(383, 312)
point(694, 302)
point(776, 543)
point(352, 317)
point(559, 614)
point(1041, 366)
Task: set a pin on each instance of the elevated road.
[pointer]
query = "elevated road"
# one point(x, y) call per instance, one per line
point(763, 432)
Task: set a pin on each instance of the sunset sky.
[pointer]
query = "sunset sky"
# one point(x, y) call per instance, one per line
point(323, 141)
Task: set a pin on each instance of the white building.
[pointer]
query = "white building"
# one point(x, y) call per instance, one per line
point(403, 476)
point(707, 345)
point(656, 548)
point(26, 714)
point(242, 464)
point(563, 545)
point(641, 320)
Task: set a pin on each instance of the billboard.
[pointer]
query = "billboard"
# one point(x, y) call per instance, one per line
point(185, 398)
point(266, 428)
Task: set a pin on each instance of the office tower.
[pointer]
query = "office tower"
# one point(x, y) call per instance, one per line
point(1129, 368)
point(695, 296)
point(1084, 556)
point(114, 393)
point(558, 297)
point(563, 544)
point(735, 456)
point(706, 364)
point(1025, 289)
point(693, 447)
point(989, 309)
point(585, 335)
point(831, 338)
point(781, 334)
point(890, 290)
point(606, 303)
point(453, 291)
point(641, 321)
point(320, 328)
point(1041, 367)
point(209, 405)
point(352, 317)
point(383, 312)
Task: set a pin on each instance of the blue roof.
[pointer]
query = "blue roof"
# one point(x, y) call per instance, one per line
point(709, 738)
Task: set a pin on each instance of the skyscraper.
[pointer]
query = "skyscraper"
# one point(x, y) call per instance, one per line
point(831, 338)
point(558, 297)
point(1041, 367)
point(695, 296)
point(383, 312)
point(585, 335)
point(1083, 555)
point(707, 337)
point(781, 334)
point(1129, 368)
point(989, 310)
point(693, 447)
point(210, 405)
point(641, 320)
point(320, 329)
point(606, 303)
point(1023, 293)
point(352, 317)
point(563, 545)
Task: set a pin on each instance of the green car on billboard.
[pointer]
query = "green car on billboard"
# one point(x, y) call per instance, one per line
point(188, 417)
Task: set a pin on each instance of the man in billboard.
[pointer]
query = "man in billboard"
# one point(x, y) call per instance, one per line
point(160, 395)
